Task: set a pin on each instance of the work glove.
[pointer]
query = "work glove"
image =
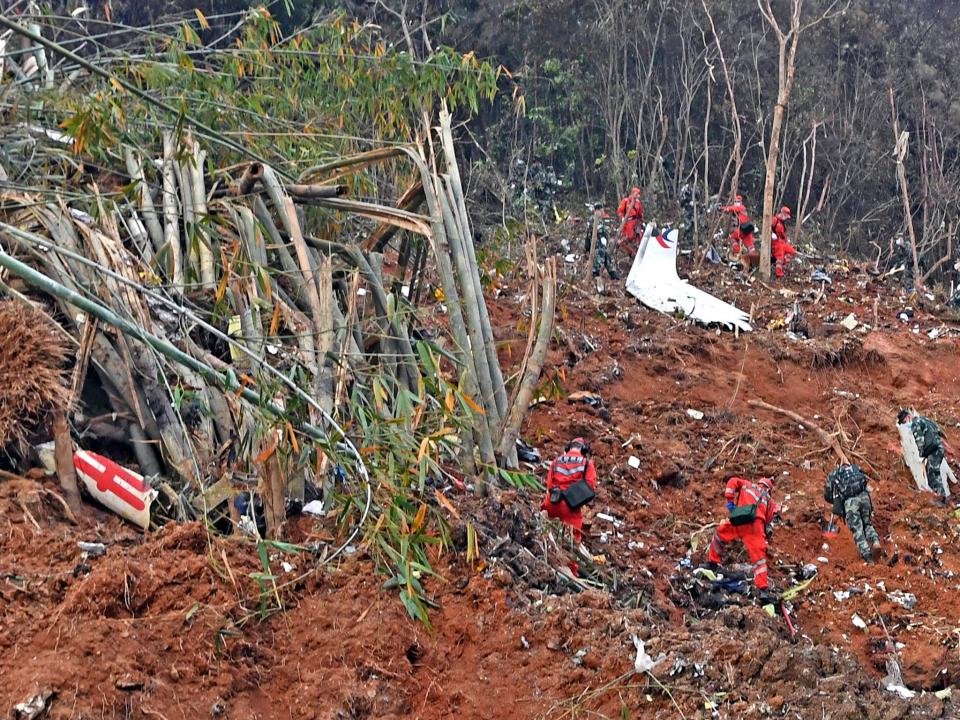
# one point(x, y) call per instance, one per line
point(769, 533)
point(730, 505)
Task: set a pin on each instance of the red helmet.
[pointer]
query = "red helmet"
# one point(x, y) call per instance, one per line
point(766, 482)
point(579, 443)
point(635, 191)
point(786, 211)
point(739, 198)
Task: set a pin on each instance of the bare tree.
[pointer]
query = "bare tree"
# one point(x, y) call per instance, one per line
point(787, 43)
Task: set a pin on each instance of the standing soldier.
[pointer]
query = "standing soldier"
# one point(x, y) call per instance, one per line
point(751, 510)
point(932, 445)
point(687, 197)
point(602, 258)
point(572, 468)
point(846, 489)
point(903, 255)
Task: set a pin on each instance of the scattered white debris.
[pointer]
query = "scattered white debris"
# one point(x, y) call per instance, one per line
point(581, 654)
point(944, 694)
point(644, 663)
point(906, 600)
point(695, 414)
point(604, 516)
point(858, 622)
point(935, 333)
point(822, 560)
point(92, 549)
point(571, 258)
point(314, 507)
point(903, 692)
point(287, 567)
point(841, 595)
point(850, 322)
point(634, 462)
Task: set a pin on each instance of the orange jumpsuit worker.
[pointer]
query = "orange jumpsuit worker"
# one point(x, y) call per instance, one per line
point(738, 209)
point(738, 493)
point(780, 248)
point(630, 211)
point(570, 467)
point(742, 235)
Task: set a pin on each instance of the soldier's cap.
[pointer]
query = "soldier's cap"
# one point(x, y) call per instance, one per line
point(902, 415)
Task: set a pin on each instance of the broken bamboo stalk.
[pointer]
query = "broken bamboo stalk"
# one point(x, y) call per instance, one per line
point(472, 312)
point(440, 246)
point(460, 210)
point(171, 216)
point(203, 239)
point(528, 384)
point(63, 455)
point(144, 198)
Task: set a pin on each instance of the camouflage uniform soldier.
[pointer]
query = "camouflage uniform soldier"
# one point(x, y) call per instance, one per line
point(930, 444)
point(601, 258)
point(846, 489)
point(687, 197)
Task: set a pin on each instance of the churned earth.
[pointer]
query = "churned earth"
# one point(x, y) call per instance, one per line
point(167, 624)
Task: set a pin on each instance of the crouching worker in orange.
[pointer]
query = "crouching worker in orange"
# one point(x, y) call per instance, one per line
point(751, 509)
point(571, 482)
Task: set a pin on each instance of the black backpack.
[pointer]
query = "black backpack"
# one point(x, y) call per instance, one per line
point(849, 481)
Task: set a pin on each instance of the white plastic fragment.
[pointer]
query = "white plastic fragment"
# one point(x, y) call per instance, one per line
point(314, 507)
point(858, 622)
point(634, 462)
point(850, 322)
point(695, 414)
point(643, 662)
point(903, 692)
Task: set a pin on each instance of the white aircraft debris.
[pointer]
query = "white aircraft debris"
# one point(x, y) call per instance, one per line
point(654, 281)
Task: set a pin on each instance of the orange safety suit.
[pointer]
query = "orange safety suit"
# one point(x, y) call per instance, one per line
point(780, 248)
point(740, 491)
point(567, 469)
point(631, 211)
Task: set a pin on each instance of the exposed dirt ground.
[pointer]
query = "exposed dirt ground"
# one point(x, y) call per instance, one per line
point(165, 625)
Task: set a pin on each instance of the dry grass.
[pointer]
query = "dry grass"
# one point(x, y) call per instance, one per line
point(33, 381)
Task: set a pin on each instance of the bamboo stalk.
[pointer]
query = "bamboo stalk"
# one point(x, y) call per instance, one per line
point(472, 315)
point(144, 198)
point(224, 380)
point(459, 203)
point(171, 216)
point(198, 192)
point(439, 244)
point(63, 453)
point(528, 384)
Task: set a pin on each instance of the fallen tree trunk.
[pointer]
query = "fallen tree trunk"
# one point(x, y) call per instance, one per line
point(826, 437)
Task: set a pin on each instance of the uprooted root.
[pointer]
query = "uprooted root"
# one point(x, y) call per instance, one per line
point(843, 352)
point(32, 379)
